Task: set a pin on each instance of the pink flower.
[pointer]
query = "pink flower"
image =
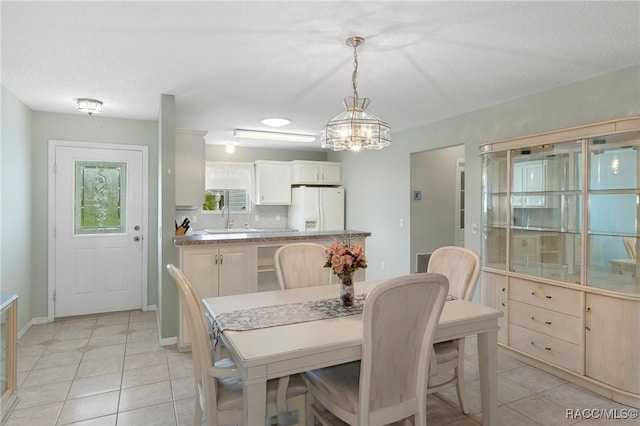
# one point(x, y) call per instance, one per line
point(357, 250)
point(345, 260)
point(338, 263)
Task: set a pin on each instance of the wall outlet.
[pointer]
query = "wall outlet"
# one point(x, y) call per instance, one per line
point(277, 218)
point(401, 223)
point(194, 219)
point(256, 218)
point(382, 266)
point(474, 228)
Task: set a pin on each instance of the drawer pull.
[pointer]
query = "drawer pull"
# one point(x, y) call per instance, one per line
point(547, 349)
point(548, 322)
point(548, 297)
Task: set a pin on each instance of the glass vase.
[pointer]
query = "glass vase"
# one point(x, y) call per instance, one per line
point(346, 291)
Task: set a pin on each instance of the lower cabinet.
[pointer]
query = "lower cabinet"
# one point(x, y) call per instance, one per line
point(613, 341)
point(590, 338)
point(495, 295)
point(216, 272)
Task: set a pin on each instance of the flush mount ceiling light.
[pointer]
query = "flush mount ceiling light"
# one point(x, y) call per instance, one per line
point(230, 148)
point(276, 122)
point(273, 136)
point(355, 128)
point(89, 105)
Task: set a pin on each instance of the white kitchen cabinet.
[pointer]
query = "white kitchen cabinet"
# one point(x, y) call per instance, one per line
point(189, 168)
point(273, 183)
point(315, 173)
point(613, 350)
point(217, 272)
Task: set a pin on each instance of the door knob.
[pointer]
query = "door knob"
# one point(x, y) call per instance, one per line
point(136, 239)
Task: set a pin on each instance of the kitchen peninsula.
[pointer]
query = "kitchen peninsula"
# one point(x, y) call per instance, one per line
point(234, 261)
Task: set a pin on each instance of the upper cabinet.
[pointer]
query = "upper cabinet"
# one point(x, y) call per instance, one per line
point(189, 168)
point(273, 183)
point(315, 173)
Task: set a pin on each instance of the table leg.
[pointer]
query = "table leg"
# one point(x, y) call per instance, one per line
point(255, 402)
point(488, 365)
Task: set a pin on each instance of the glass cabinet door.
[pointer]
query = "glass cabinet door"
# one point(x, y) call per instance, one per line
point(546, 205)
point(495, 211)
point(614, 194)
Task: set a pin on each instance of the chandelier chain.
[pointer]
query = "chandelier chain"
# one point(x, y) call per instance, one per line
point(354, 76)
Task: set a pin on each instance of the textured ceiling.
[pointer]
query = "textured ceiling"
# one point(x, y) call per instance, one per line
point(230, 64)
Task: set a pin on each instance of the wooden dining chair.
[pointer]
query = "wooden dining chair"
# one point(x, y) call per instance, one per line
point(461, 266)
point(218, 386)
point(400, 317)
point(301, 265)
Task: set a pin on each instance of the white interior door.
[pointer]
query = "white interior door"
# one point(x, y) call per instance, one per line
point(99, 198)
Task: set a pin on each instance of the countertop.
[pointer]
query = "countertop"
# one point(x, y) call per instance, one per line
point(266, 236)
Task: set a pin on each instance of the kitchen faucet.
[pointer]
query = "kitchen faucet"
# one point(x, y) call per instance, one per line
point(229, 221)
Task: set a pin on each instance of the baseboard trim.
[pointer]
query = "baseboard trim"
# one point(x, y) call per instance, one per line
point(168, 341)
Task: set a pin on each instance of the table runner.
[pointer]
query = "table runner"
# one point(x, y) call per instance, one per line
point(285, 314)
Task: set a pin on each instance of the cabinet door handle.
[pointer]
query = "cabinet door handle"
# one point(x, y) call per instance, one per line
point(502, 296)
point(588, 320)
point(216, 262)
point(221, 259)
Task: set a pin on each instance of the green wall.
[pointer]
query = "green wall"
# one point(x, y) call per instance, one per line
point(17, 236)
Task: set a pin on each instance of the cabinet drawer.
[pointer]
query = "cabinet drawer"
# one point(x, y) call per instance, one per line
point(545, 296)
point(551, 323)
point(545, 347)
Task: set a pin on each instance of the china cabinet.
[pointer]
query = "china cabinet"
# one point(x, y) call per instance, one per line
point(560, 212)
point(315, 173)
point(189, 177)
point(273, 183)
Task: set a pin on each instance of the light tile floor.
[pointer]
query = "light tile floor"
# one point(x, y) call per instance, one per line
point(109, 369)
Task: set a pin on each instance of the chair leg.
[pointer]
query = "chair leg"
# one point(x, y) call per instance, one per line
point(460, 390)
point(197, 410)
point(309, 411)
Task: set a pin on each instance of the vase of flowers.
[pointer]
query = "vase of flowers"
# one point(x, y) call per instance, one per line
point(344, 260)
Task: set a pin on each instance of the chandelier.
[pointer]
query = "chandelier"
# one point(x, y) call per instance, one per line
point(355, 129)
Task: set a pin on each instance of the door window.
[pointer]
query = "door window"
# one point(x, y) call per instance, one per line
point(100, 197)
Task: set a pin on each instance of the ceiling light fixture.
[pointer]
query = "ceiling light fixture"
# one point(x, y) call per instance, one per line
point(276, 122)
point(230, 148)
point(89, 105)
point(355, 129)
point(272, 136)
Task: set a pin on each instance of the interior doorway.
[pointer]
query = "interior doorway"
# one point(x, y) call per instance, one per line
point(437, 200)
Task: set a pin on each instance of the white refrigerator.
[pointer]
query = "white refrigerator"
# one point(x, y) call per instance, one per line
point(316, 208)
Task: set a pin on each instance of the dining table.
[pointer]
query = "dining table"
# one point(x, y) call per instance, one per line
point(291, 343)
